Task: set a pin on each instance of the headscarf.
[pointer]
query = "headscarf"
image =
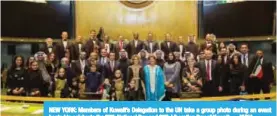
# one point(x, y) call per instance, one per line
point(159, 51)
point(146, 53)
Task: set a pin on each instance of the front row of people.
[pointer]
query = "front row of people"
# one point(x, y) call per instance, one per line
point(154, 79)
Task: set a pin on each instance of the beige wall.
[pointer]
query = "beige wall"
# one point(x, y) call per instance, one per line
point(176, 17)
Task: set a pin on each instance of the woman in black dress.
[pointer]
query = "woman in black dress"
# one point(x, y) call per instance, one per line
point(16, 80)
point(237, 75)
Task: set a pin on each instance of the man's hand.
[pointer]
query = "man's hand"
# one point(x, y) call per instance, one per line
point(220, 88)
point(252, 75)
point(242, 88)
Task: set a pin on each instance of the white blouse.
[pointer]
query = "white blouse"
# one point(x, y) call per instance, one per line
point(152, 78)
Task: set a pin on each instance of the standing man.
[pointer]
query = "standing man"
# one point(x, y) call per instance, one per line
point(120, 45)
point(106, 44)
point(245, 56)
point(135, 46)
point(150, 45)
point(261, 74)
point(79, 65)
point(168, 46)
point(76, 48)
point(181, 46)
point(103, 59)
point(92, 43)
point(192, 47)
point(62, 46)
point(209, 44)
point(209, 73)
point(48, 47)
point(110, 67)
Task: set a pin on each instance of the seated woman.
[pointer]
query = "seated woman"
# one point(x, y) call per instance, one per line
point(16, 79)
point(191, 81)
point(35, 80)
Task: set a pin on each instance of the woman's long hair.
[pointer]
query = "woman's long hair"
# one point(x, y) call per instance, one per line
point(236, 66)
point(13, 66)
point(170, 61)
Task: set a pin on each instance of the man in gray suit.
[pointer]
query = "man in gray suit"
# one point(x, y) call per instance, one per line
point(150, 46)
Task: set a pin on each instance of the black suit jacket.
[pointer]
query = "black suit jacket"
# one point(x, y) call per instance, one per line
point(178, 48)
point(60, 49)
point(215, 72)
point(76, 66)
point(45, 49)
point(74, 51)
point(134, 50)
point(112, 46)
point(89, 46)
point(108, 72)
point(166, 49)
point(155, 46)
point(268, 76)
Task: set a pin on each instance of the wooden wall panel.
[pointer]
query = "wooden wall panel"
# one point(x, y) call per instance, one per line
point(176, 17)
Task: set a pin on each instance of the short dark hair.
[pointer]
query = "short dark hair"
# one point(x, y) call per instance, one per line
point(244, 44)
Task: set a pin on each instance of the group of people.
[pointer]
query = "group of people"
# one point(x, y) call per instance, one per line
point(138, 70)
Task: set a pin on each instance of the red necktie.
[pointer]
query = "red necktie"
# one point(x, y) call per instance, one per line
point(208, 71)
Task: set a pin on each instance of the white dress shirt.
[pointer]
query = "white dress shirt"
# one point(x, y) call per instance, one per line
point(65, 44)
point(246, 59)
point(151, 47)
point(50, 49)
point(83, 64)
point(107, 47)
point(168, 44)
point(181, 48)
point(80, 47)
point(136, 43)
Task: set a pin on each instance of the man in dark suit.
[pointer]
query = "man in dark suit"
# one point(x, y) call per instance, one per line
point(62, 46)
point(48, 47)
point(192, 47)
point(92, 43)
point(110, 66)
point(209, 72)
point(181, 46)
point(106, 44)
point(76, 48)
point(103, 59)
point(261, 73)
point(223, 70)
point(135, 46)
point(151, 46)
point(209, 44)
point(168, 46)
point(120, 45)
point(245, 56)
point(79, 65)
